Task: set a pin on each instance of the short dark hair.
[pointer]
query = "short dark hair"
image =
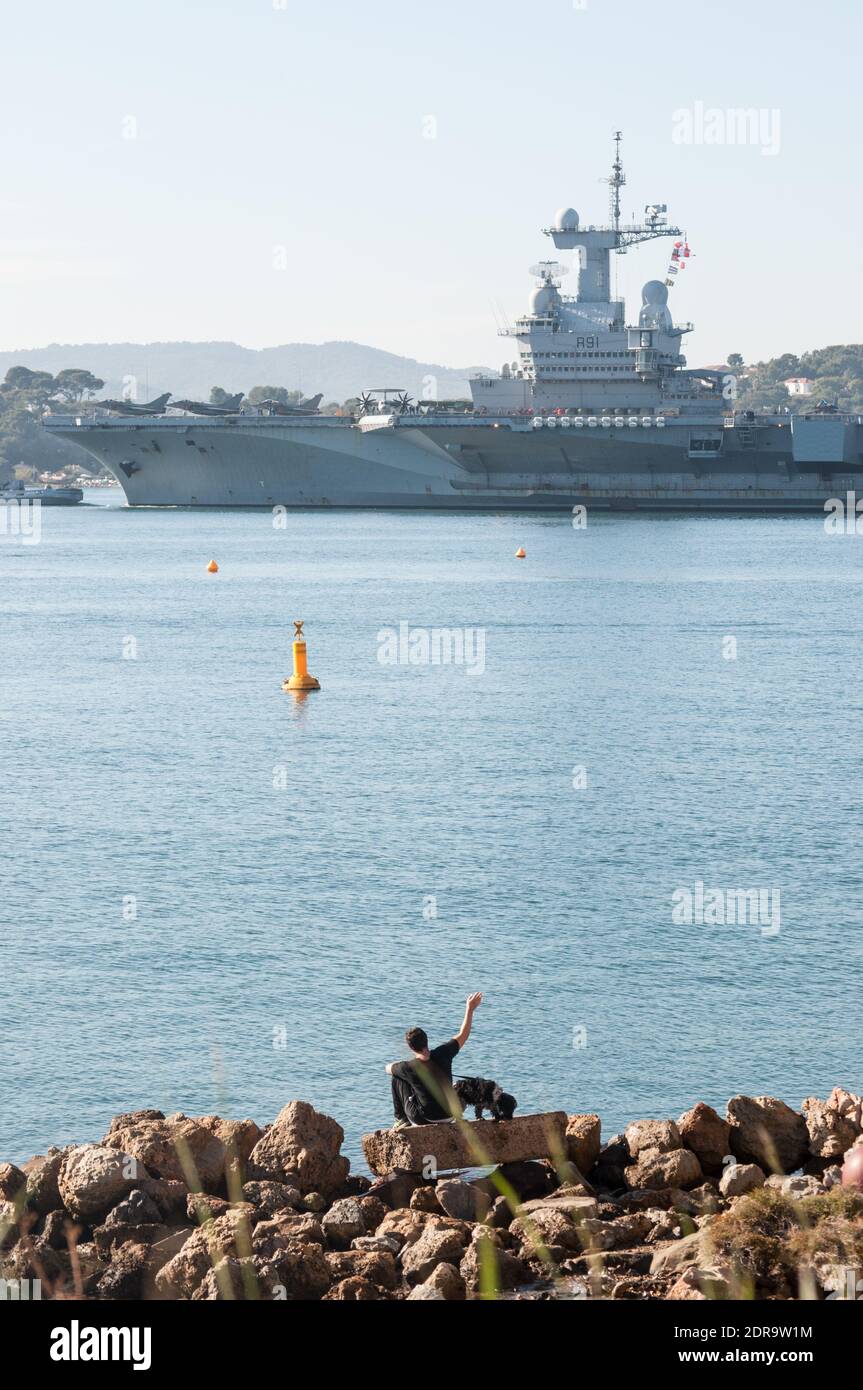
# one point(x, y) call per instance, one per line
point(417, 1039)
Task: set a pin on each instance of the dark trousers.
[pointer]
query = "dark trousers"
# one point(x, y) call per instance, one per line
point(405, 1103)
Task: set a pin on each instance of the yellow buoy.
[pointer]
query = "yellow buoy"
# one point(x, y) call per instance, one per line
point(300, 680)
point(521, 553)
point(212, 568)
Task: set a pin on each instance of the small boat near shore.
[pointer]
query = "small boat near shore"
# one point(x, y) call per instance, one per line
point(46, 496)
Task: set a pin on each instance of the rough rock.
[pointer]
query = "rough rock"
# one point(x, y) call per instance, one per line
point(424, 1199)
point(503, 1268)
point(801, 1185)
point(391, 1243)
point(272, 1197)
point(353, 1290)
point(126, 1274)
point(694, 1249)
point(466, 1144)
point(43, 1181)
point(238, 1137)
point(302, 1273)
point(583, 1141)
point(135, 1210)
point(644, 1135)
point(373, 1212)
point(701, 1284)
point(425, 1293)
point(708, 1136)
point(177, 1148)
point(831, 1132)
point(448, 1279)
point(740, 1178)
point(301, 1147)
point(610, 1168)
point(170, 1197)
point(269, 1237)
point(12, 1180)
point(376, 1266)
point(656, 1168)
point(768, 1132)
point(227, 1235)
point(94, 1178)
point(395, 1189)
point(526, 1178)
point(343, 1223)
point(462, 1200)
point(433, 1247)
point(548, 1226)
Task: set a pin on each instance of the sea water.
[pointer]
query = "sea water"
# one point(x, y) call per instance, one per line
point(217, 897)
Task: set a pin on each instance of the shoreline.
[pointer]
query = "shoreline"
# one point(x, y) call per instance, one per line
point(181, 1208)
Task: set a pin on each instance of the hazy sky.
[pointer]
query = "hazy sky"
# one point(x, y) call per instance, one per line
point(262, 172)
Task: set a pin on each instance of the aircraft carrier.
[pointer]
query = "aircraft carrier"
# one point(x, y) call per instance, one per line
point(590, 410)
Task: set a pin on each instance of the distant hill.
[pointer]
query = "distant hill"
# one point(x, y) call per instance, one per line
point(339, 370)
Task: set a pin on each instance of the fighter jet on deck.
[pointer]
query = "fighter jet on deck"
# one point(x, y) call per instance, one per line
point(156, 407)
point(309, 407)
point(231, 406)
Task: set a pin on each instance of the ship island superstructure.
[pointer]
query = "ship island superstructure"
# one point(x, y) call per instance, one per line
point(590, 410)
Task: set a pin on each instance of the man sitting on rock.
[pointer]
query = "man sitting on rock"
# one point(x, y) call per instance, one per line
point(422, 1087)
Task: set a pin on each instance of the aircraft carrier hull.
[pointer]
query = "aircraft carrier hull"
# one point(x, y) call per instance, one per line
point(458, 463)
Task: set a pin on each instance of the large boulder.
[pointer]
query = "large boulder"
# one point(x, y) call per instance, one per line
point(176, 1148)
point(435, 1246)
point(468, 1144)
point(768, 1132)
point(343, 1223)
point(708, 1136)
point(740, 1178)
point(661, 1135)
point(239, 1137)
point(483, 1261)
point(655, 1168)
point(376, 1266)
point(12, 1180)
point(583, 1141)
point(43, 1181)
point(461, 1199)
point(301, 1147)
point(833, 1125)
point(228, 1235)
point(94, 1178)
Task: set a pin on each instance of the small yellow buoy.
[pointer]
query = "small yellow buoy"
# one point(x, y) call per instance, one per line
point(300, 680)
point(521, 553)
point(212, 568)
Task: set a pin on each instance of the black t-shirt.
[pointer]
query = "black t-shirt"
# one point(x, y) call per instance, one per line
point(431, 1080)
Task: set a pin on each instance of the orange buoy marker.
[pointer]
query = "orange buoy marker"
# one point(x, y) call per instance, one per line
point(212, 568)
point(521, 553)
point(300, 680)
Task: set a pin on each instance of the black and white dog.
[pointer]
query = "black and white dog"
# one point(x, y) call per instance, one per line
point(485, 1095)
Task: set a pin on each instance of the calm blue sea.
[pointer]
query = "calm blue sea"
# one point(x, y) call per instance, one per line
point(215, 898)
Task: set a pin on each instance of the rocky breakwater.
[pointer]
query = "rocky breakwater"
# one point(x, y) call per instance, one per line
point(751, 1203)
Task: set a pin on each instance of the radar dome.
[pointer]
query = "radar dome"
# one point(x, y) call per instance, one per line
point(566, 220)
point(543, 300)
point(654, 292)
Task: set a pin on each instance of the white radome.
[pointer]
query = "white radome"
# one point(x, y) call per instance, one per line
point(566, 220)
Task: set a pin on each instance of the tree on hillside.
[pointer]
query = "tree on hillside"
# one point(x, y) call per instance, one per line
point(24, 380)
point(218, 395)
point(734, 359)
point(273, 393)
point(74, 384)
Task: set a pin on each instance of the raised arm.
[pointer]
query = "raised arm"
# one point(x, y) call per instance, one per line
point(473, 1003)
